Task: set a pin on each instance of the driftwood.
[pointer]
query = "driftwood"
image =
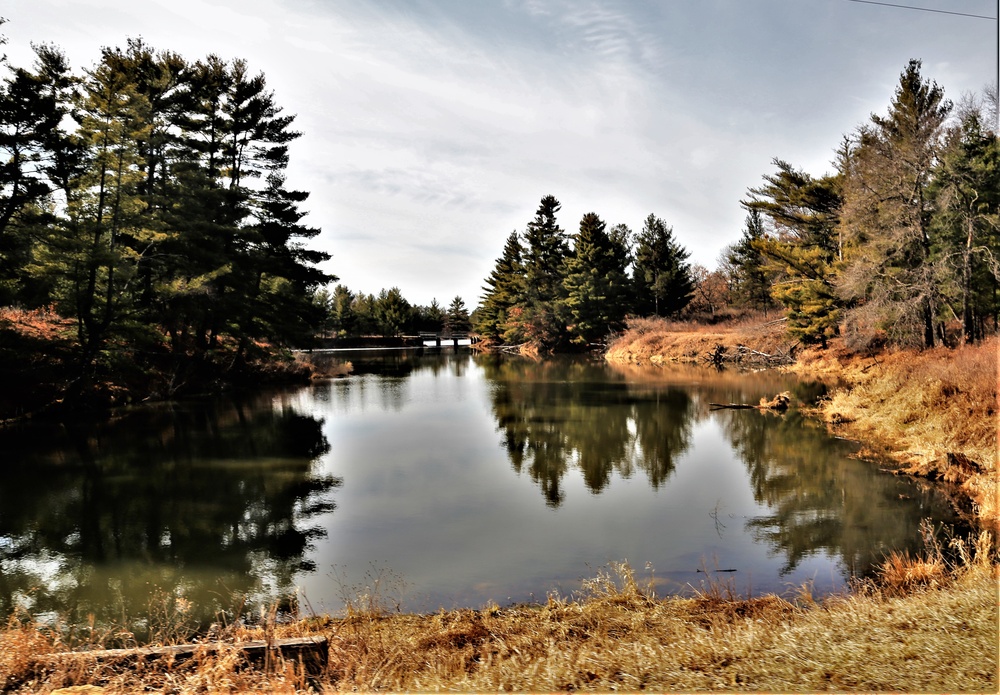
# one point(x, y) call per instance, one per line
point(512, 349)
point(311, 651)
point(747, 355)
point(779, 403)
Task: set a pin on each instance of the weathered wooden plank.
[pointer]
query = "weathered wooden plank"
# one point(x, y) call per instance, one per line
point(312, 651)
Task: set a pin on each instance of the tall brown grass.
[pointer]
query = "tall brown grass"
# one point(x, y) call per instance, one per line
point(614, 635)
point(657, 340)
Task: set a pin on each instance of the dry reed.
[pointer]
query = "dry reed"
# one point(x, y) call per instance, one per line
point(615, 635)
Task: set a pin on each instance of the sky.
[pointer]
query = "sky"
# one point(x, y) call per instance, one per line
point(431, 129)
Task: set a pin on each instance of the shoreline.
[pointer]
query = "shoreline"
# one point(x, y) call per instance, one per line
point(907, 409)
point(926, 624)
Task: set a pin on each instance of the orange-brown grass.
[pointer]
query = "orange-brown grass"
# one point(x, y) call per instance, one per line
point(37, 324)
point(614, 636)
point(922, 409)
point(657, 340)
point(905, 573)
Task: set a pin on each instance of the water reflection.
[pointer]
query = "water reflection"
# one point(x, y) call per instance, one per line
point(558, 415)
point(818, 498)
point(473, 478)
point(208, 501)
point(561, 413)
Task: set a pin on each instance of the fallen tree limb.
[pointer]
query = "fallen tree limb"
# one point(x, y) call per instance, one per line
point(778, 403)
point(311, 651)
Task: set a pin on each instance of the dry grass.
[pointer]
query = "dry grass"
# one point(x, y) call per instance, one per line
point(615, 636)
point(658, 341)
point(37, 324)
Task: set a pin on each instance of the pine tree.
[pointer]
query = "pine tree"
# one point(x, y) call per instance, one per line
point(804, 213)
point(342, 315)
point(662, 275)
point(391, 312)
point(504, 289)
point(966, 194)
point(889, 270)
point(104, 233)
point(456, 319)
point(535, 316)
point(596, 284)
point(37, 158)
point(430, 318)
point(750, 282)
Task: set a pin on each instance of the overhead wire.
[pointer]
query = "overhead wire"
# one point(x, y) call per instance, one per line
point(924, 9)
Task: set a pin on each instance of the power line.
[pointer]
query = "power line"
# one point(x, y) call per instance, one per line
point(924, 9)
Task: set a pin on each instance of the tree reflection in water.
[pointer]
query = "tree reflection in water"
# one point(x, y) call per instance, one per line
point(820, 499)
point(561, 413)
point(557, 415)
point(209, 501)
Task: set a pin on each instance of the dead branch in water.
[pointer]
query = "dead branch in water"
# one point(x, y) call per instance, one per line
point(779, 404)
point(746, 355)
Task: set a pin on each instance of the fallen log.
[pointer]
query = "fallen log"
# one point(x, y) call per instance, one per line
point(778, 403)
point(310, 651)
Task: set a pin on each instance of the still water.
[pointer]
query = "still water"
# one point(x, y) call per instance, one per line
point(442, 480)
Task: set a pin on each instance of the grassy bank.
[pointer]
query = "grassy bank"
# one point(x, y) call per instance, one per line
point(658, 341)
point(929, 624)
point(929, 629)
point(932, 413)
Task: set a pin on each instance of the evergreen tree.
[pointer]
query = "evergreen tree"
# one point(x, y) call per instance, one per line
point(430, 318)
point(535, 316)
point(37, 158)
point(804, 212)
point(595, 283)
point(342, 314)
point(966, 194)
point(504, 289)
point(282, 272)
point(104, 234)
point(456, 320)
point(391, 312)
point(164, 211)
point(750, 283)
point(662, 275)
point(889, 269)
point(363, 310)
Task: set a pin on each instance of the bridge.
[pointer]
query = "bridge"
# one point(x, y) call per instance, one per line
point(424, 339)
point(452, 339)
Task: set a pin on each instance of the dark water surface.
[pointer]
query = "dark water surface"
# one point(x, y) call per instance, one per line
point(441, 481)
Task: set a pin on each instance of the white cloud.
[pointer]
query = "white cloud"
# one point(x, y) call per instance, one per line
point(432, 128)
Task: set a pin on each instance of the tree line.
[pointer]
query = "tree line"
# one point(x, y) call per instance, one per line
point(145, 198)
point(352, 314)
point(557, 290)
point(899, 245)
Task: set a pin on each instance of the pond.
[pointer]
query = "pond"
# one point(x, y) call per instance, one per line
point(444, 479)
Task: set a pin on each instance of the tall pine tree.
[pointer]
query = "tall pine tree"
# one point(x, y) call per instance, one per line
point(503, 290)
point(890, 270)
point(535, 317)
point(662, 275)
point(596, 284)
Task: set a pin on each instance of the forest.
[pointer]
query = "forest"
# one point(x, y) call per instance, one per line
point(149, 243)
point(146, 229)
point(899, 246)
